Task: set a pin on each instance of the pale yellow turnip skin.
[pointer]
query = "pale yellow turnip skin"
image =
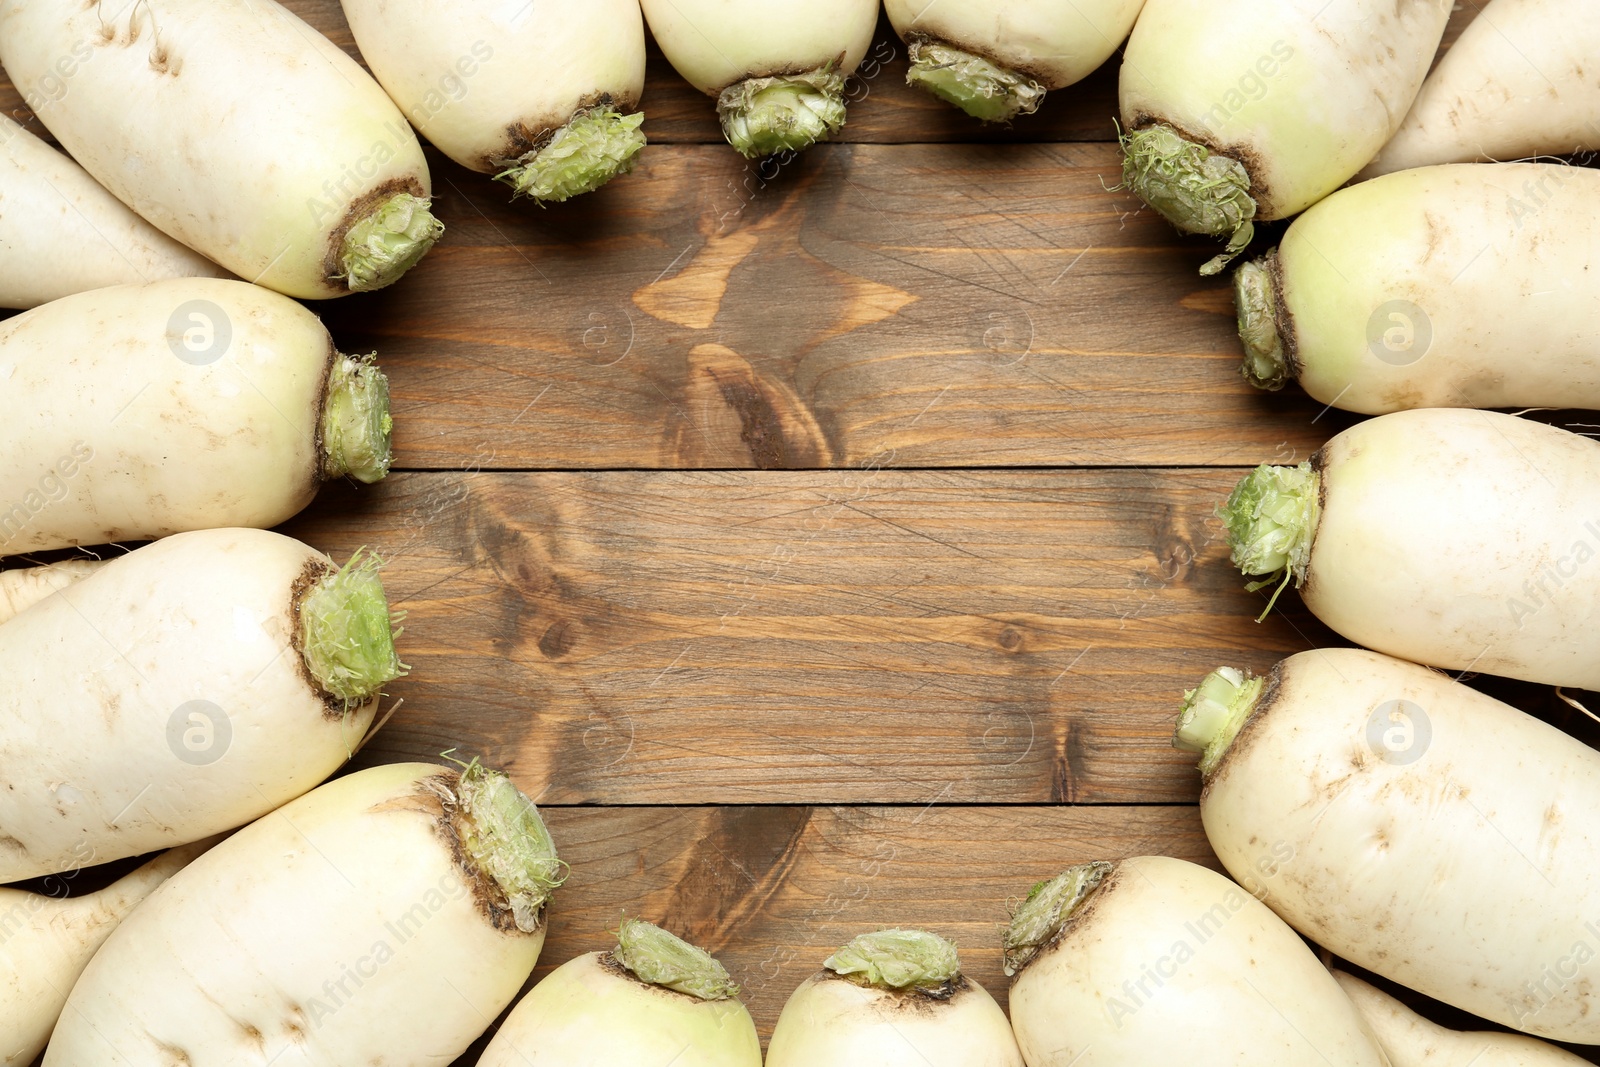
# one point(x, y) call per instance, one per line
point(24, 587)
point(829, 1021)
point(467, 72)
point(111, 434)
point(46, 942)
point(236, 129)
point(1303, 92)
point(1056, 44)
point(62, 233)
point(1171, 963)
point(587, 1012)
point(1456, 286)
point(1412, 1041)
point(1449, 849)
point(1520, 81)
point(338, 930)
point(715, 43)
point(1462, 539)
point(95, 749)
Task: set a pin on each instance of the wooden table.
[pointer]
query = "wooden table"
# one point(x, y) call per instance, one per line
point(823, 546)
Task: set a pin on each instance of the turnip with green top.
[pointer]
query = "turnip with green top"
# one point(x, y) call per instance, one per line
point(652, 998)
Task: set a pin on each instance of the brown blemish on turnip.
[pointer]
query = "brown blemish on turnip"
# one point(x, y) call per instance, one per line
point(1247, 156)
point(911, 1001)
point(439, 796)
point(533, 132)
point(314, 571)
point(360, 208)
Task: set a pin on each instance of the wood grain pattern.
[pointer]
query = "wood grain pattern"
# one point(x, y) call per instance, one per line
point(911, 305)
point(837, 637)
point(831, 637)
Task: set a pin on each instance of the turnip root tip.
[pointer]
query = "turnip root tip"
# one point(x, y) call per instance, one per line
point(659, 958)
point(1213, 713)
point(1194, 188)
point(898, 960)
point(349, 633)
point(765, 116)
point(1049, 907)
point(502, 833)
point(1255, 287)
point(981, 87)
point(1271, 517)
point(596, 146)
point(386, 243)
point(356, 427)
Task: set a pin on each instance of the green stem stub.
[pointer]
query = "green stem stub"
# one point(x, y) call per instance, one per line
point(1214, 712)
point(596, 146)
point(1194, 188)
point(356, 426)
point(765, 116)
point(658, 958)
point(388, 242)
point(1271, 517)
point(898, 960)
point(1255, 295)
point(507, 841)
point(347, 633)
point(980, 87)
point(1047, 911)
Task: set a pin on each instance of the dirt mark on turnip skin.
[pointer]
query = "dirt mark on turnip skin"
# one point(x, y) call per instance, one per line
point(910, 1001)
point(534, 132)
point(360, 208)
point(314, 571)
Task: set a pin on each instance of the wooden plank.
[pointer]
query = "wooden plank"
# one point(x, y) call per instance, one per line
point(772, 891)
point(884, 110)
point(835, 637)
point(914, 305)
point(839, 637)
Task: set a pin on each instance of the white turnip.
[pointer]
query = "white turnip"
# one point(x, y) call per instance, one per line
point(1412, 1041)
point(385, 918)
point(894, 998)
point(1519, 81)
point(996, 59)
point(652, 998)
point(1235, 111)
point(46, 941)
point(1446, 536)
point(538, 95)
point(1454, 286)
point(180, 690)
point(62, 233)
point(133, 412)
point(235, 128)
point(1157, 961)
point(776, 68)
point(1413, 826)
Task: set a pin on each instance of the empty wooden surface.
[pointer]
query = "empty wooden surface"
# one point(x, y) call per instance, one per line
point(824, 545)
